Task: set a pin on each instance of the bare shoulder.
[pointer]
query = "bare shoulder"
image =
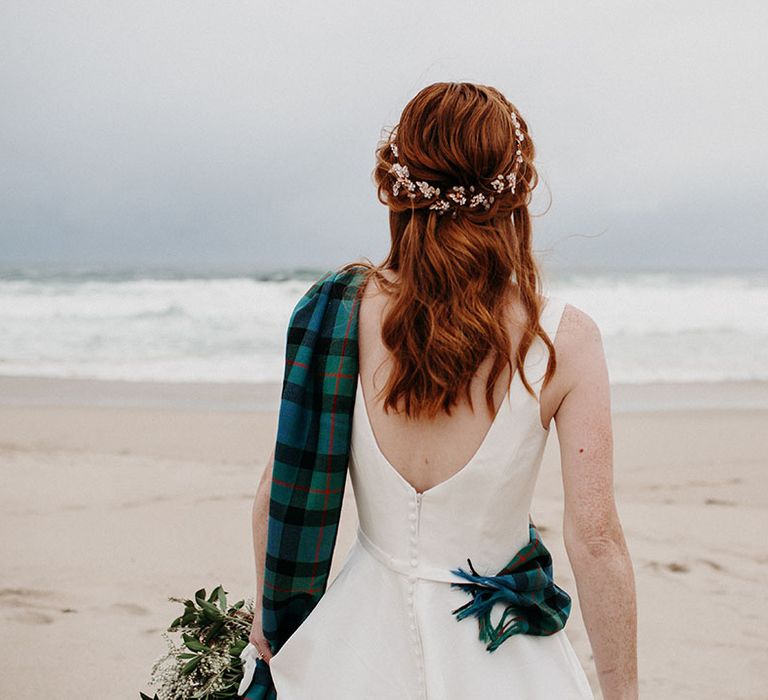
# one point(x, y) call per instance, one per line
point(373, 306)
point(374, 298)
point(577, 326)
point(585, 434)
point(578, 345)
point(583, 417)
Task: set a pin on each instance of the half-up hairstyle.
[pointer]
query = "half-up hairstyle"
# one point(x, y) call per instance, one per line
point(454, 272)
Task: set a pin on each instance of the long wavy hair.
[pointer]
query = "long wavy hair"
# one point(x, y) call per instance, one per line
point(454, 274)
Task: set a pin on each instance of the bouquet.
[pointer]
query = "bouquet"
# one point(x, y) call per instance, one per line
point(204, 662)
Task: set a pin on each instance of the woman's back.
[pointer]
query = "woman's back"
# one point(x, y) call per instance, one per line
point(451, 309)
point(390, 606)
point(428, 451)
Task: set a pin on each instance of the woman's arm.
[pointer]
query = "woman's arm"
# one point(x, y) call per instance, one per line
point(259, 516)
point(592, 532)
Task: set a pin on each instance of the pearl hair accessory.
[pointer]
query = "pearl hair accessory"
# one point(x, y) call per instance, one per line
point(457, 196)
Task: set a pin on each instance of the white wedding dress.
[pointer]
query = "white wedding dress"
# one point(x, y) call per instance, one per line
point(384, 629)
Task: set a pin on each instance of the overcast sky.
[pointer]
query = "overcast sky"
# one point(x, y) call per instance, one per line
point(217, 133)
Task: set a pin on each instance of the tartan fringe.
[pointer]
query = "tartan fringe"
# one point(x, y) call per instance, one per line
point(486, 592)
point(535, 604)
point(492, 634)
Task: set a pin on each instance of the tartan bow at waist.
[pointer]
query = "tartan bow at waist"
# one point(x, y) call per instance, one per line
point(535, 604)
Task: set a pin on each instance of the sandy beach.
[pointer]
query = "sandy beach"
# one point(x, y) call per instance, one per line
point(117, 495)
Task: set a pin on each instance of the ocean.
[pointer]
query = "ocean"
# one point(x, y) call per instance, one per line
point(176, 326)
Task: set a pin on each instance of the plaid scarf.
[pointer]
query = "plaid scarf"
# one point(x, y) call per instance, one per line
point(311, 459)
point(536, 605)
point(309, 475)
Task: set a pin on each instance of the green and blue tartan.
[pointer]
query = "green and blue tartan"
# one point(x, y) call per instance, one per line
point(535, 603)
point(309, 474)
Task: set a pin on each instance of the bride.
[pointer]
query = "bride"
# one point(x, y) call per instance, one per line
point(454, 366)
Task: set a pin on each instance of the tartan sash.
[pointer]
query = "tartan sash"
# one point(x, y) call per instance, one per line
point(535, 604)
point(309, 475)
point(311, 459)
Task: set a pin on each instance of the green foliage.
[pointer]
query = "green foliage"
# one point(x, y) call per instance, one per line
point(203, 663)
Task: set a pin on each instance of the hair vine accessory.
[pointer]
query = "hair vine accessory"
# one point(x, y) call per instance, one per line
point(457, 195)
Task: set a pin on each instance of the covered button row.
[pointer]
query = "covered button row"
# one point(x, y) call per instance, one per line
point(413, 517)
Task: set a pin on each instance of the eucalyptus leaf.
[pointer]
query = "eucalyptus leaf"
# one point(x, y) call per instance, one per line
point(212, 610)
point(194, 644)
point(190, 666)
point(214, 631)
point(238, 647)
point(214, 594)
point(207, 627)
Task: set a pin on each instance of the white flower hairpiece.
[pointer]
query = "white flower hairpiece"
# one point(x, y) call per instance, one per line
point(457, 196)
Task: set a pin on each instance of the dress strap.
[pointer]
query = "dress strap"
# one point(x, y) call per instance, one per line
point(538, 354)
point(552, 315)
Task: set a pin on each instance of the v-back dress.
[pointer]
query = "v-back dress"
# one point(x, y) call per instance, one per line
point(384, 628)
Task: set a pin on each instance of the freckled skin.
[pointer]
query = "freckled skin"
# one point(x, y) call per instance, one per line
point(592, 531)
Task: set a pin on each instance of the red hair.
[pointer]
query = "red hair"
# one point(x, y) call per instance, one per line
point(453, 274)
